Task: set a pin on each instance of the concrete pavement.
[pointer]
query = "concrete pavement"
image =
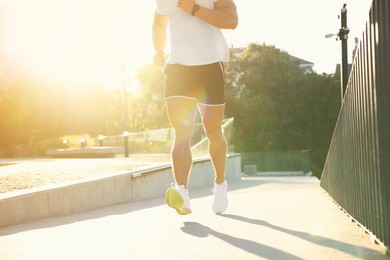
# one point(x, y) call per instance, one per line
point(267, 218)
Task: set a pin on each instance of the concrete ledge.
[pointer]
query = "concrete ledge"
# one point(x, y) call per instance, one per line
point(110, 189)
point(92, 152)
point(273, 174)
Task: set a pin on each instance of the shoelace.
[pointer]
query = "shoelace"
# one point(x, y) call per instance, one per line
point(180, 190)
point(218, 192)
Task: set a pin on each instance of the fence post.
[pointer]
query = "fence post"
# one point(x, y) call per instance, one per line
point(126, 143)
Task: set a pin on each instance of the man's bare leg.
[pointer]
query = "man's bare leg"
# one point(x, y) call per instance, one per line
point(212, 117)
point(181, 113)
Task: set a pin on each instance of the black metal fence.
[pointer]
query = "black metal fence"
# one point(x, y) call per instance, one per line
point(357, 170)
point(278, 161)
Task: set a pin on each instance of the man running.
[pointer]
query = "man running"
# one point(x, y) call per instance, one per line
point(194, 79)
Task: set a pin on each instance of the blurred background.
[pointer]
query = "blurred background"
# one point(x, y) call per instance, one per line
point(78, 74)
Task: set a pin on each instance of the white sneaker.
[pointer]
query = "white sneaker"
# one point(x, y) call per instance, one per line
point(220, 202)
point(177, 197)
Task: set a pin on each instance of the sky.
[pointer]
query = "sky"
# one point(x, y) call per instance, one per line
point(88, 40)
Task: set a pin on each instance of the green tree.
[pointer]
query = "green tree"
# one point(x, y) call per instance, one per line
point(274, 101)
point(147, 107)
point(33, 109)
point(13, 109)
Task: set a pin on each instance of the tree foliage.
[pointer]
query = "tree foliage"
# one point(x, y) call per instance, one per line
point(279, 106)
point(35, 108)
point(276, 105)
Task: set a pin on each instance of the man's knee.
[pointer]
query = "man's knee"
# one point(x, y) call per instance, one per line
point(212, 129)
point(183, 135)
point(216, 137)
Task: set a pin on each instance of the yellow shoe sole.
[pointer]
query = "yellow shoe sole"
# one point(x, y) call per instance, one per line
point(176, 201)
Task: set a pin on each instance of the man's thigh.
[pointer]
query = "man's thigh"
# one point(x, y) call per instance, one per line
point(181, 113)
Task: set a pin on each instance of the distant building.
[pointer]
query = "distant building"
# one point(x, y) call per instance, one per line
point(305, 65)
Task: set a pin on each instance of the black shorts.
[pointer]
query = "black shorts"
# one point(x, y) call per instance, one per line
point(205, 83)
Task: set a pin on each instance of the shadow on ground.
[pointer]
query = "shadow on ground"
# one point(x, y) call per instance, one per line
point(199, 230)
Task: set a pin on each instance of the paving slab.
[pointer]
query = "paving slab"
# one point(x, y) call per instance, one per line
point(267, 218)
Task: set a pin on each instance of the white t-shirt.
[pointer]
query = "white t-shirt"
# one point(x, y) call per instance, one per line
point(193, 41)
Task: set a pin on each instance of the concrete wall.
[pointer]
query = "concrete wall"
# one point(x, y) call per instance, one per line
point(72, 197)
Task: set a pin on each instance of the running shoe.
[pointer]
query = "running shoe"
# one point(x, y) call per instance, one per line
point(220, 202)
point(177, 197)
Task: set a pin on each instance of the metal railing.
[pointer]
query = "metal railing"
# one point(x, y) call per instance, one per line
point(201, 148)
point(278, 161)
point(357, 169)
point(160, 140)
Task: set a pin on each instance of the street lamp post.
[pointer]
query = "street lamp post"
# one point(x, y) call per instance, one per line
point(343, 35)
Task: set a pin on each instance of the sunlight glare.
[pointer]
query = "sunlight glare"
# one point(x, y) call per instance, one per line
point(72, 40)
point(129, 78)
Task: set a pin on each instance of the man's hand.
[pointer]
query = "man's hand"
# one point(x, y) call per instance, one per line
point(186, 5)
point(224, 15)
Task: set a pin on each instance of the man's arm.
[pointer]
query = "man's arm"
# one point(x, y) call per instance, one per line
point(159, 33)
point(224, 15)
